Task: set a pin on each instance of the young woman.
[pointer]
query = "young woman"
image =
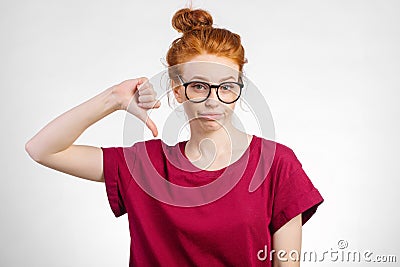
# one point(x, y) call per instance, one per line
point(176, 227)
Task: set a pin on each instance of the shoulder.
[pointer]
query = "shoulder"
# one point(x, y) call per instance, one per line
point(151, 143)
point(122, 152)
point(280, 150)
point(282, 154)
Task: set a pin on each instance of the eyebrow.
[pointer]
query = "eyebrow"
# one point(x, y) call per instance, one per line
point(205, 79)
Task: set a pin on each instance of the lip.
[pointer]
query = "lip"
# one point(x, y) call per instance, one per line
point(211, 115)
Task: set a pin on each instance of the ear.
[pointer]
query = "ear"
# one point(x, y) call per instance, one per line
point(178, 90)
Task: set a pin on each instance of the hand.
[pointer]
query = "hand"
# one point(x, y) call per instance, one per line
point(136, 96)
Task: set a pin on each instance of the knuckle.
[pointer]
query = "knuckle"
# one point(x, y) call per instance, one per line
point(146, 105)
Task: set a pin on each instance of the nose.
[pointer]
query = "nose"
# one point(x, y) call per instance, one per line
point(212, 100)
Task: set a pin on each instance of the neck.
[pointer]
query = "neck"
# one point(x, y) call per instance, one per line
point(216, 142)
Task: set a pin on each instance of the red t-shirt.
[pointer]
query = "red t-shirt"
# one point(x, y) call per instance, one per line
point(193, 228)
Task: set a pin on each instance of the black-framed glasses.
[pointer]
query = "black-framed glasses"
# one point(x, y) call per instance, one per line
point(199, 91)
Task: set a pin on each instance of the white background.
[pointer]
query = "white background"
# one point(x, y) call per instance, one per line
point(328, 69)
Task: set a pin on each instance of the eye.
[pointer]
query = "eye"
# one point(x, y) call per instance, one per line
point(227, 86)
point(198, 86)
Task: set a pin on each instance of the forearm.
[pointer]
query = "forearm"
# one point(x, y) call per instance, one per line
point(62, 132)
point(286, 242)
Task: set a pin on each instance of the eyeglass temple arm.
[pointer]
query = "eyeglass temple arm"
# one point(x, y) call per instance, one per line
point(180, 79)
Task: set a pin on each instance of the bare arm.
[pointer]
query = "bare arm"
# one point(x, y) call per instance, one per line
point(287, 239)
point(53, 145)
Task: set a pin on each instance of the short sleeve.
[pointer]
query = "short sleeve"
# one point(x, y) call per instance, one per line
point(117, 177)
point(294, 193)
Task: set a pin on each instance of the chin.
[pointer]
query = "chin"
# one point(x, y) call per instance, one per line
point(211, 125)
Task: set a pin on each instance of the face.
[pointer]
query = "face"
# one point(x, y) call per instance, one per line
point(211, 114)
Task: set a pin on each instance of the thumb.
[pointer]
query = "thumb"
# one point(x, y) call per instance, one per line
point(141, 81)
point(152, 126)
point(143, 116)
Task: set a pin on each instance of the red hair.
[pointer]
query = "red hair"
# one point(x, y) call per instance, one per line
point(200, 37)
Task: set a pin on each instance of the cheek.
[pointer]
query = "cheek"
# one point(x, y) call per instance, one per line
point(190, 108)
point(230, 108)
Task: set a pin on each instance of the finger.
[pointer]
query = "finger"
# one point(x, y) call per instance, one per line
point(152, 126)
point(142, 83)
point(141, 80)
point(145, 98)
point(147, 90)
point(148, 105)
point(157, 104)
point(143, 116)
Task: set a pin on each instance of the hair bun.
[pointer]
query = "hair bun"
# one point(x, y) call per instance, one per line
point(186, 20)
